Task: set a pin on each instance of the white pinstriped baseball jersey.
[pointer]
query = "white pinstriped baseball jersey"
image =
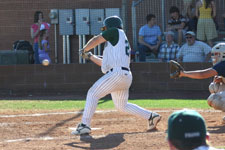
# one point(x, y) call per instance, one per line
point(118, 55)
point(116, 81)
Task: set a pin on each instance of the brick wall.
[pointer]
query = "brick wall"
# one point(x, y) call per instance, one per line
point(150, 80)
point(16, 17)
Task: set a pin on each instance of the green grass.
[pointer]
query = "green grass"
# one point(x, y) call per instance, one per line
point(103, 104)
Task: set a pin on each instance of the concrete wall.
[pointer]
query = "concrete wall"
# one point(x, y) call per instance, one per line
point(150, 80)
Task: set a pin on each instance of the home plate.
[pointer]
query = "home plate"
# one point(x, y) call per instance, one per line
point(91, 129)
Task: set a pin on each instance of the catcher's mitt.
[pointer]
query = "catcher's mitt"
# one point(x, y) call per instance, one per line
point(85, 55)
point(175, 69)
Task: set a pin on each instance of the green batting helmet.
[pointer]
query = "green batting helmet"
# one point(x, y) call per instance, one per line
point(112, 22)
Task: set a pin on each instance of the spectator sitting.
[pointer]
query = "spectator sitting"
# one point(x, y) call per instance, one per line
point(187, 131)
point(194, 51)
point(168, 50)
point(177, 24)
point(149, 38)
point(192, 23)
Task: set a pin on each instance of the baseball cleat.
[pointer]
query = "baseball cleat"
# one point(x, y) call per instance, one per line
point(223, 121)
point(154, 120)
point(81, 129)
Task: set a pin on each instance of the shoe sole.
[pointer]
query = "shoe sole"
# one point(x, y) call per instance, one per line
point(78, 133)
point(156, 123)
point(81, 131)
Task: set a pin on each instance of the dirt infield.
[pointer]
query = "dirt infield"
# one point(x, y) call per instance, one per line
point(111, 130)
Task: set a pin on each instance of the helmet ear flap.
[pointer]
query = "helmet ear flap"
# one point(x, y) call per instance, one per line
point(218, 53)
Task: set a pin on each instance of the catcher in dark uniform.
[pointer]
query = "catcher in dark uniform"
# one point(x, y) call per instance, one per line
point(217, 87)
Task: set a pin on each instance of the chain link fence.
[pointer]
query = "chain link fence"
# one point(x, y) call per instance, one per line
point(161, 10)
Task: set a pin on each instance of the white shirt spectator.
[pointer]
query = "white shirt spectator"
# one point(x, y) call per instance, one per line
point(194, 53)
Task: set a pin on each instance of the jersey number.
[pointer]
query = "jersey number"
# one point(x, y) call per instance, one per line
point(127, 48)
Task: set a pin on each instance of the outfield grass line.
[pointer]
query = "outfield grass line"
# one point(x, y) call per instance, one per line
point(98, 111)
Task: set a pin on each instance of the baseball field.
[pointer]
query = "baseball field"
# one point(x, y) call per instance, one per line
point(46, 125)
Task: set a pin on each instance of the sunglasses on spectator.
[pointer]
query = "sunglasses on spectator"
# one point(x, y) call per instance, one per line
point(189, 37)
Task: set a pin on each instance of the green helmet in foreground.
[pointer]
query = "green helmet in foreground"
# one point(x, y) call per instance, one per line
point(112, 22)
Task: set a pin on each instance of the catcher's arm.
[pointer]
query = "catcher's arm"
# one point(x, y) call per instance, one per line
point(199, 74)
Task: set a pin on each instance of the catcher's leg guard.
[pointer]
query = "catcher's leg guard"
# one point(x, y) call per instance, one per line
point(217, 101)
point(210, 99)
point(213, 87)
point(216, 87)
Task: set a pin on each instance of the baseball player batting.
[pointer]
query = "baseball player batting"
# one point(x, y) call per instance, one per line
point(217, 87)
point(117, 77)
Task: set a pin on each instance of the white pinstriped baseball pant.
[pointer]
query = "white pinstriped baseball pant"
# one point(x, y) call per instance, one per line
point(116, 82)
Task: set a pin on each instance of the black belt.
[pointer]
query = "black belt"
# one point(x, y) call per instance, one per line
point(123, 68)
